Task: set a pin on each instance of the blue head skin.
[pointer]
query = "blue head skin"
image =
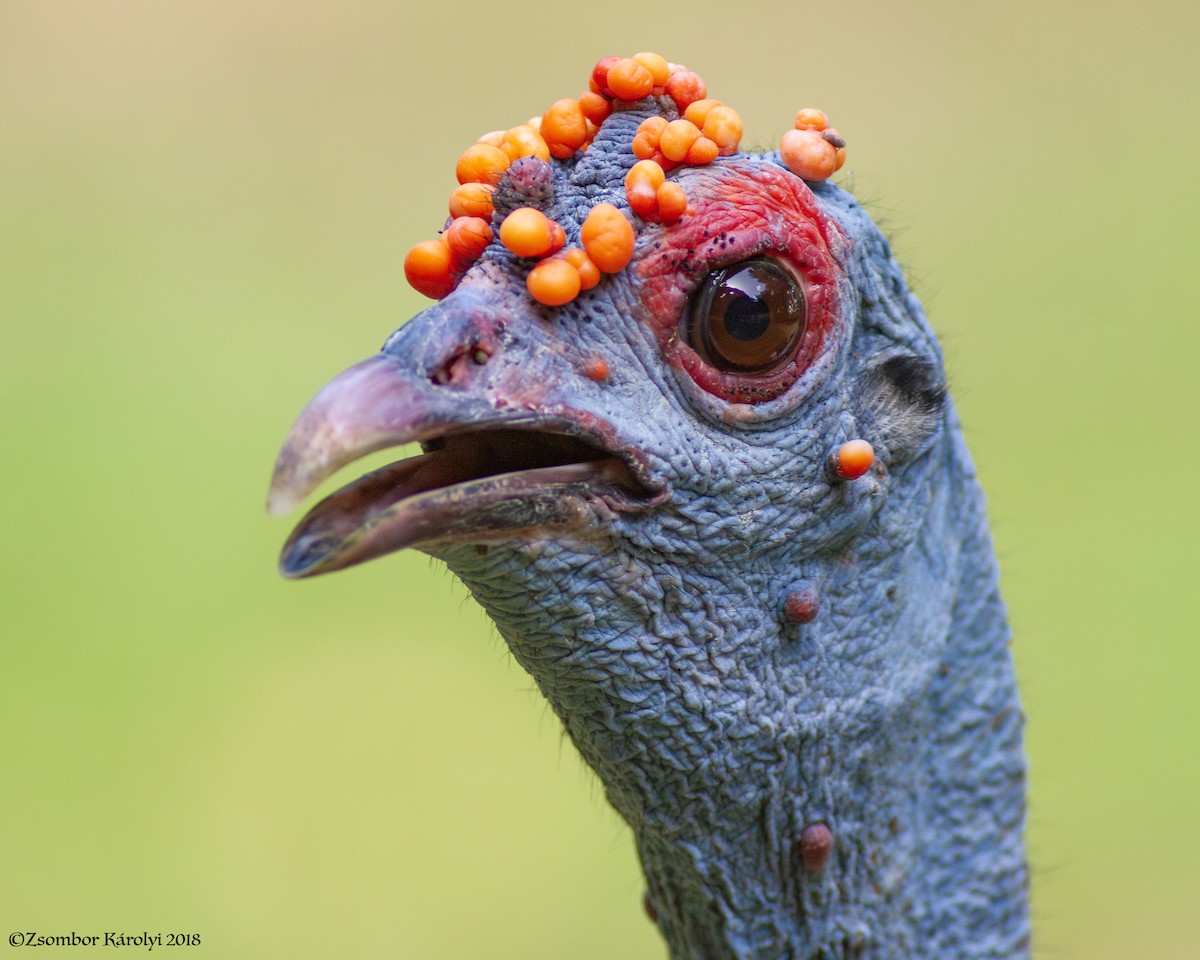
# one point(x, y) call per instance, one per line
point(636, 537)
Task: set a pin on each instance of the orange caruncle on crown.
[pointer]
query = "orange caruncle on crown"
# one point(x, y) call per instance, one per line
point(688, 129)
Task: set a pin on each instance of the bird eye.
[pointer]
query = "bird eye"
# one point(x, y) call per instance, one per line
point(746, 318)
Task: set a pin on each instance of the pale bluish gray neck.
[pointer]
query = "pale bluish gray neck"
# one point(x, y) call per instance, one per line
point(721, 732)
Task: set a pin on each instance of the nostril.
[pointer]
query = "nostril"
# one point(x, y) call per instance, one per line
point(456, 366)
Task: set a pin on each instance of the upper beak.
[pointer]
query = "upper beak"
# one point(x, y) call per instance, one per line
point(492, 469)
point(368, 407)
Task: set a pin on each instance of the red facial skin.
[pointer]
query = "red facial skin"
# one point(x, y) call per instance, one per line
point(742, 209)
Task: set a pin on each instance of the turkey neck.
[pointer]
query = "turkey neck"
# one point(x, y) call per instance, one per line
point(735, 743)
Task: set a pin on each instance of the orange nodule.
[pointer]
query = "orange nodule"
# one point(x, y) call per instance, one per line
point(600, 74)
point(629, 80)
point(596, 368)
point(677, 139)
point(645, 141)
point(467, 238)
point(702, 151)
point(589, 273)
point(642, 199)
point(427, 266)
point(493, 138)
point(523, 141)
point(643, 147)
point(807, 154)
point(810, 118)
point(641, 187)
point(564, 128)
point(652, 128)
point(553, 282)
point(659, 69)
point(481, 163)
point(608, 237)
point(698, 111)
point(723, 126)
point(672, 202)
point(472, 200)
point(595, 107)
point(667, 165)
point(852, 459)
point(527, 232)
point(685, 88)
point(645, 170)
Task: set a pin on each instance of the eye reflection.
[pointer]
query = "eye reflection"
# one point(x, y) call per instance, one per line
point(747, 318)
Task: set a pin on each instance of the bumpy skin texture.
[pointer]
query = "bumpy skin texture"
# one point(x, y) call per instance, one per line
point(719, 728)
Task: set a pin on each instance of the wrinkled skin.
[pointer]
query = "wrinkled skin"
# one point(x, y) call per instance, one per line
point(718, 728)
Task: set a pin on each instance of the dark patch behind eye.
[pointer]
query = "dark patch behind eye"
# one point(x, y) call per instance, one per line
point(916, 382)
point(902, 398)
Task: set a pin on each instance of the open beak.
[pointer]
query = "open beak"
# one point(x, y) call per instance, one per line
point(489, 471)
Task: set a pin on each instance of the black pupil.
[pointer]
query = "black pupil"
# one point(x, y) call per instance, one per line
point(747, 318)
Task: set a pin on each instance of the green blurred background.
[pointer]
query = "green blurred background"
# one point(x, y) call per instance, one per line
point(204, 210)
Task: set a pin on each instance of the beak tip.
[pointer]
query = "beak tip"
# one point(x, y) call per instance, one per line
point(288, 572)
point(338, 425)
point(290, 482)
point(304, 556)
point(280, 502)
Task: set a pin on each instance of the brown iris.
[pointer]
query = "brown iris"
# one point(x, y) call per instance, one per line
point(747, 318)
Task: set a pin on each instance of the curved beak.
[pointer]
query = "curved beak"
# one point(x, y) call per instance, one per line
point(490, 471)
point(368, 407)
